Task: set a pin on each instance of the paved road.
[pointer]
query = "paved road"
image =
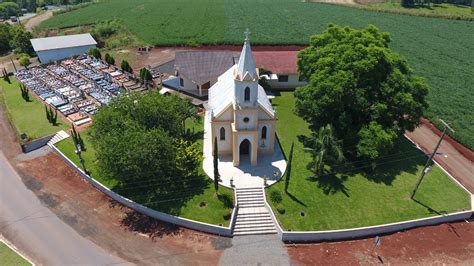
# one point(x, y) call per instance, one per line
point(37, 231)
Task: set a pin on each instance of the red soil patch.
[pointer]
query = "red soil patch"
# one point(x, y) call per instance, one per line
point(446, 243)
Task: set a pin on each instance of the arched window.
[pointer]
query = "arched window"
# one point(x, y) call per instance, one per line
point(264, 132)
point(247, 94)
point(222, 133)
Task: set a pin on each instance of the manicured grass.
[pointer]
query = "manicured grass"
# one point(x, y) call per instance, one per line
point(357, 199)
point(182, 204)
point(438, 49)
point(10, 257)
point(27, 117)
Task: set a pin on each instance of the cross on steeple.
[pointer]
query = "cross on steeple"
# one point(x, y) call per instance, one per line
point(247, 34)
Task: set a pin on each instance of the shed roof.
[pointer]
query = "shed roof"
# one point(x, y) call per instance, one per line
point(61, 42)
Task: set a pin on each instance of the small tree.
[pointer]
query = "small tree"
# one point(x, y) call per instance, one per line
point(324, 148)
point(51, 115)
point(109, 59)
point(54, 116)
point(6, 77)
point(25, 93)
point(94, 52)
point(48, 114)
point(24, 60)
point(216, 166)
point(125, 66)
point(77, 138)
point(146, 76)
point(288, 169)
point(406, 3)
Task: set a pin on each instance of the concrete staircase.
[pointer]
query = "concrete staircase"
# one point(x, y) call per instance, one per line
point(58, 137)
point(252, 217)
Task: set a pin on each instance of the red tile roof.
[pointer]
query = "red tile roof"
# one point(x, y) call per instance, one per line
point(278, 62)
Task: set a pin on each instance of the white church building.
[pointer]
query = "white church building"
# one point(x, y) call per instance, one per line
point(242, 119)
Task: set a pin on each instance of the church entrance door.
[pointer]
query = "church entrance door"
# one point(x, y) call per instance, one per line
point(245, 147)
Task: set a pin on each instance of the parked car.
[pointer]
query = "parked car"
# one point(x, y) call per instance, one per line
point(14, 19)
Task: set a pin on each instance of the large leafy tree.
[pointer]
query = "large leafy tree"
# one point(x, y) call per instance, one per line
point(360, 86)
point(139, 139)
point(21, 41)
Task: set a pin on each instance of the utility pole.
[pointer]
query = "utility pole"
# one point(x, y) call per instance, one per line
point(425, 169)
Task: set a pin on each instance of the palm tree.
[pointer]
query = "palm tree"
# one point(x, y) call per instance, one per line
point(325, 149)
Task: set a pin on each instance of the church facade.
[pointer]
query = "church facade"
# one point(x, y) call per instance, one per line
point(242, 118)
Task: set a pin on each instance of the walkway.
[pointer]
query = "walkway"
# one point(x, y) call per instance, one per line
point(244, 175)
point(256, 250)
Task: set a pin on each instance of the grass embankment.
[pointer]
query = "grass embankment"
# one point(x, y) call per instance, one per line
point(27, 117)
point(438, 49)
point(215, 210)
point(357, 199)
point(10, 257)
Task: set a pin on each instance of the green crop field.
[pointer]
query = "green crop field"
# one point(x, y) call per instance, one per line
point(439, 49)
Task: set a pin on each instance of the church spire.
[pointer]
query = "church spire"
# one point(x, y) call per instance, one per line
point(246, 66)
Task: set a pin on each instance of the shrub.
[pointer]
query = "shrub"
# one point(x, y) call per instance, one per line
point(281, 210)
point(226, 200)
point(192, 43)
point(227, 216)
point(275, 196)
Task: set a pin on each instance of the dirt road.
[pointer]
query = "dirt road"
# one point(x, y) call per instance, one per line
point(448, 156)
point(36, 20)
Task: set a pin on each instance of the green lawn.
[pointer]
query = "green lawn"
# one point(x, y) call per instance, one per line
point(10, 257)
point(438, 49)
point(183, 204)
point(27, 117)
point(356, 199)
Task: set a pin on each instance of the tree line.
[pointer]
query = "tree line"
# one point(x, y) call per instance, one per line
point(412, 3)
point(15, 38)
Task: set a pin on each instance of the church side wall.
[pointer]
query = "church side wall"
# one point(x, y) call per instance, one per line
point(266, 145)
point(223, 146)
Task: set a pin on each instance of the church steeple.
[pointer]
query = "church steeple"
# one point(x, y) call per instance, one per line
point(246, 69)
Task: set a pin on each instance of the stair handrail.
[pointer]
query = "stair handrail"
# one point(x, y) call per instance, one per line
point(233, 218)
